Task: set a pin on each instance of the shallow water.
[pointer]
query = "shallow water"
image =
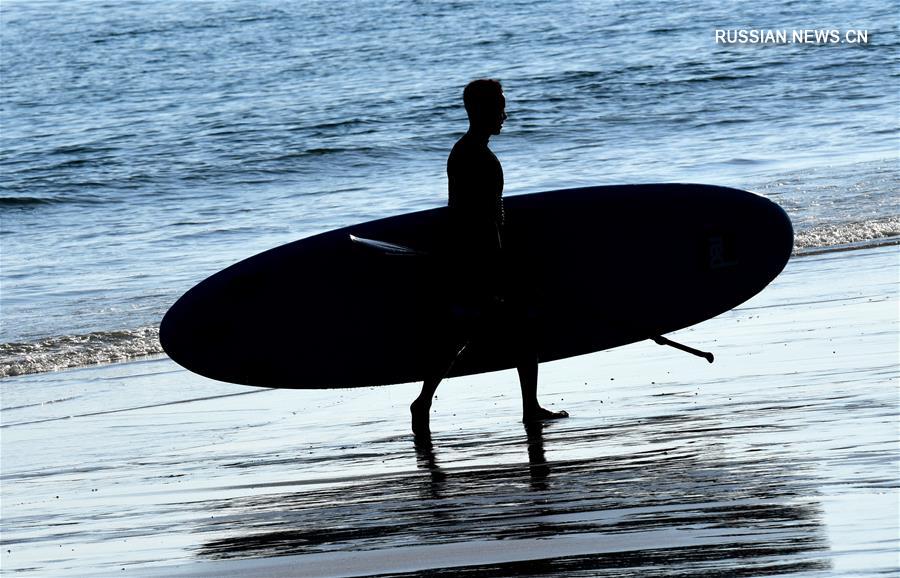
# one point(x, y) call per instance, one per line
point(779, 458)
point(146, 145)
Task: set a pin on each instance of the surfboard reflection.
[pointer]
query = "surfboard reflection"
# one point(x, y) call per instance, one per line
point(660, 511)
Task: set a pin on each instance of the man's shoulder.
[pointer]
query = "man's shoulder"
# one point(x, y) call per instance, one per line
point(466, 148)
point(461, 147)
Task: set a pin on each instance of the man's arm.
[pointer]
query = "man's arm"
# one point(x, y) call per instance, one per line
point(473, 205)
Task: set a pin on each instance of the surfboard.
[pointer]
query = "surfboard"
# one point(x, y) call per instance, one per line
point(589, 268)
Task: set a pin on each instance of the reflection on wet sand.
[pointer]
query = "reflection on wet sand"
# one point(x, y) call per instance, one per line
point(778, 459)
point(673, 510)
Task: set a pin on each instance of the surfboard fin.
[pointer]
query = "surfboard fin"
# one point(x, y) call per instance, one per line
point(704, 354)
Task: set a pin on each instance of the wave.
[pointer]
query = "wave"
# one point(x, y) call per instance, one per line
point(26, 201)
point(23, 201)
point(57, 353)
point(848, 235)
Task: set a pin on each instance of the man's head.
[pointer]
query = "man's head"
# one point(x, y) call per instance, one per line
point(485, 105)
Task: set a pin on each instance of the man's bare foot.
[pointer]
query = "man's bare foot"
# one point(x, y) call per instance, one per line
point(420, 418)
point(540, 414)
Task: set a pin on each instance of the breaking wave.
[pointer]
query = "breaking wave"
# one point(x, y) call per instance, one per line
point(829, 237)
point(56, 353)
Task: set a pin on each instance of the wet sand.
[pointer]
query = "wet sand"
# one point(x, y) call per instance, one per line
point(781, 458)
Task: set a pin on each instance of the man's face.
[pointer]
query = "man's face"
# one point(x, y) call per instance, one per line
point(499, 116)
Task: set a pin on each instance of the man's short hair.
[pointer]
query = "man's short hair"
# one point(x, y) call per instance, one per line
point(480, 94)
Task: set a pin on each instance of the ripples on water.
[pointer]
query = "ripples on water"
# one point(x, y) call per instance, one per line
point(149, 144)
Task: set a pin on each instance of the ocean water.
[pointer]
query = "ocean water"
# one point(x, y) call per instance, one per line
point(146, 145)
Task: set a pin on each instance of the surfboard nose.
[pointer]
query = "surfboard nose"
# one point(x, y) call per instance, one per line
point(779, 232)
point(169, 335)
point(184, 327)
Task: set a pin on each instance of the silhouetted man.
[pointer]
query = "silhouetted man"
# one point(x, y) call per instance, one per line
point(476, 223)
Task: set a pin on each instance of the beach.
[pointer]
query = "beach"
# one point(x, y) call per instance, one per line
point(778, 459)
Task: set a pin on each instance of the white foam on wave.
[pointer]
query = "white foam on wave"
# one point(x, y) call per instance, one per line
point(832, 235)
point(56, 353)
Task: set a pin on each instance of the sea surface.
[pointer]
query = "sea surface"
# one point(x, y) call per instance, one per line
point(146, 145)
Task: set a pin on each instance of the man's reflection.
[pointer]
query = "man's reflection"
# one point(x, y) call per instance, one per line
point(537, 462)
point(426, 460)
point(538, 470)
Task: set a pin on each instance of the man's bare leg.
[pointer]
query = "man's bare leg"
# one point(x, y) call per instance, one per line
point(421, 406)
point(531, 409)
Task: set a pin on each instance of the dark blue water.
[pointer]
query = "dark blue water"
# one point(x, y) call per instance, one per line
point(146, 145)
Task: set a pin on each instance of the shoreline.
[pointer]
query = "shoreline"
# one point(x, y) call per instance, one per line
point(146, 338)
